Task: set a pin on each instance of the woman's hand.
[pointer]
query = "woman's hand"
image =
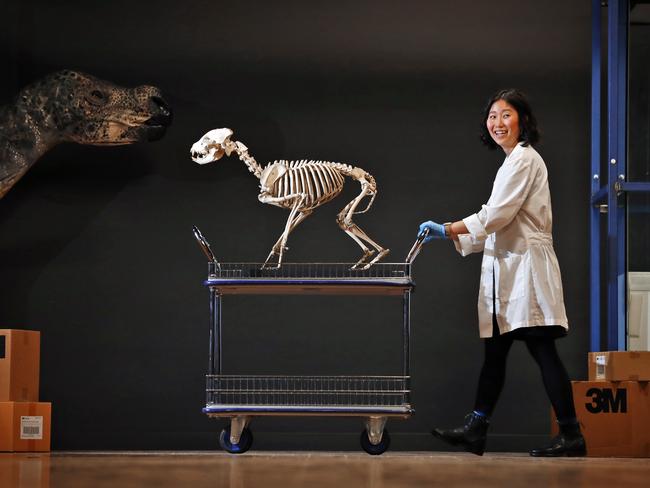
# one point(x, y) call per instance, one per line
point(436, 231)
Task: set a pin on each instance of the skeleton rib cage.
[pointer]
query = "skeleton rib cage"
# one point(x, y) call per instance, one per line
point(319, 181)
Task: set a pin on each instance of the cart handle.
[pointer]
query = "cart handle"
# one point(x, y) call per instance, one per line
point(417, 246)
point(205, 246)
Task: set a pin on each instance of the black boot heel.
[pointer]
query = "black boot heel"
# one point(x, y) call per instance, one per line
point(471, 437)
point(477, 447)
point(569, 443)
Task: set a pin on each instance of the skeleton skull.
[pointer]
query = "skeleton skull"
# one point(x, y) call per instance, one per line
point(212, 146)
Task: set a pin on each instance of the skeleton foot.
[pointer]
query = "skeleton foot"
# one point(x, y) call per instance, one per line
point(367, 253)
point(272, 265)
point(275, 252)
point(381, 254)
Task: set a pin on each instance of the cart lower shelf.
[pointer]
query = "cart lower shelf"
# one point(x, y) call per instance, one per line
point(274, 410)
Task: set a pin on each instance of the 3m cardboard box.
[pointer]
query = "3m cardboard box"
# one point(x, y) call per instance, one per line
point(25, 426)
point(619, 366)
point(614, 417)
point(19, 365)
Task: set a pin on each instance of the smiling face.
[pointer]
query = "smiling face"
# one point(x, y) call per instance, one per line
point(503, 125)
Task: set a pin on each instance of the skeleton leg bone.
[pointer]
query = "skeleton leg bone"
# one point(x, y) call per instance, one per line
point(344, 219)
point(280, 246)
point(295, 217)
point(373, 194)
point(355, 232)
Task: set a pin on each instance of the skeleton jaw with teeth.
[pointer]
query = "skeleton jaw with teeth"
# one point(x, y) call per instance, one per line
point(212, 146)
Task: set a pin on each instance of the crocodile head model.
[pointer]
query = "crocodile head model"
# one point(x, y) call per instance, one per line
point(69, 106)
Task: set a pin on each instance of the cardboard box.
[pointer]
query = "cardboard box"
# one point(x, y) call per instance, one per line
point(25, 426)
point(619, 366)
point(614, 417)
point(20, 352)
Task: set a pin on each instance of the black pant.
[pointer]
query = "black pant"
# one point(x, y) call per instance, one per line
point(542, 348)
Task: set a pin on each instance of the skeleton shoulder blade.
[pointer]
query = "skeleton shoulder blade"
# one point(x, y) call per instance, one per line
point(272, 173)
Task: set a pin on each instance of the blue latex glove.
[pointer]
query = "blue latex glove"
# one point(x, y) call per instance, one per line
point(436, 231)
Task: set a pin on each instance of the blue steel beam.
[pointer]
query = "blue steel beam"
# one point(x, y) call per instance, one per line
point(600, 196)
point(633, 187)
point(617, 142)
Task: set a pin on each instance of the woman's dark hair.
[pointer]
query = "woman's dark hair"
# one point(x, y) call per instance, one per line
point(528, 131)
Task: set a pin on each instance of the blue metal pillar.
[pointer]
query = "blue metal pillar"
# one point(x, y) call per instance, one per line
point(596, 29)
point(616, 145)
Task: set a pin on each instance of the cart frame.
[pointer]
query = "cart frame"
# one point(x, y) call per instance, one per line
point(242, 397)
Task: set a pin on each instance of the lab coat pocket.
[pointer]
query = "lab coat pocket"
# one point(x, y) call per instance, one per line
point(487, 284)
point(547, 282)
point(513, 275)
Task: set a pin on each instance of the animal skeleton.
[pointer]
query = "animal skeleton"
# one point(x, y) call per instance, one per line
point(299, 186)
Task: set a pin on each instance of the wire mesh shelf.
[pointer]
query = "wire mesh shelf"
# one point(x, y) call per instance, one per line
point(308, 391)
point(306, 271)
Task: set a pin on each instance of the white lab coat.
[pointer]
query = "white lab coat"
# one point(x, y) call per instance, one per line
point(514, 232)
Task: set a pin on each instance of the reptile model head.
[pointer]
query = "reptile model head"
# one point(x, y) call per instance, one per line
point(81, 108)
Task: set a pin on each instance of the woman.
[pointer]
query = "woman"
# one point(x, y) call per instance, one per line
point(520, 295)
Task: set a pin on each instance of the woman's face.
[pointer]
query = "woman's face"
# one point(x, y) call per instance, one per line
point(503, 125)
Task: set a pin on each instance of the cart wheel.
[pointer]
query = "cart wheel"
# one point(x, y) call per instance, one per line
point(372, 448)
point(245, 441)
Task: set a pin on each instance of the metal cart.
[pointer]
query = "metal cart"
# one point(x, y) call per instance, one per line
point(242, 397)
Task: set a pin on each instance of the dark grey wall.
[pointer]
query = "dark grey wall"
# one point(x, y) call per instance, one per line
point(639, 144)
point(96, 243)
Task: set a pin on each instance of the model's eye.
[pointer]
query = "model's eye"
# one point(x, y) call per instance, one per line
point(97, 97)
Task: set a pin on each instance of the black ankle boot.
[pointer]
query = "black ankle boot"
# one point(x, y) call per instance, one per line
point(471, 436)
point(570, 442)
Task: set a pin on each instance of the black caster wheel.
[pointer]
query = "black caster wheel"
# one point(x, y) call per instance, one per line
point(245, 441)
point(375, 449)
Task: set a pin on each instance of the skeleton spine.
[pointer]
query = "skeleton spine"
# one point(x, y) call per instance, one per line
point(250, 162)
